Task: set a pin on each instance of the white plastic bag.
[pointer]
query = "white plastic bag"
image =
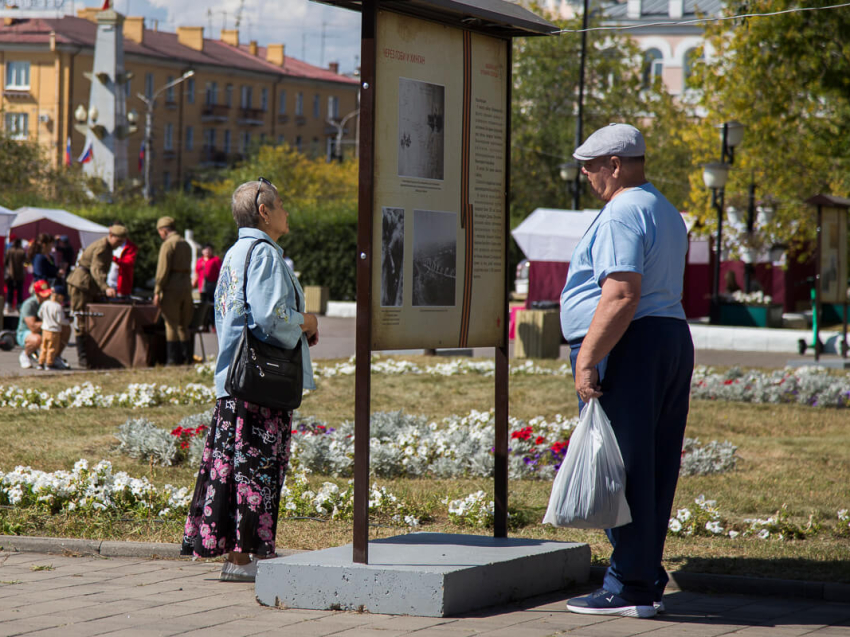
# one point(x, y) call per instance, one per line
point(589, 491)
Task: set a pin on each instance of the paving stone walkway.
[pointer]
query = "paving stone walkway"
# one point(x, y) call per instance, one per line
point(79, 596)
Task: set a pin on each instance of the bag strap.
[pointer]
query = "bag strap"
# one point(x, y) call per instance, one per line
point(245, 279)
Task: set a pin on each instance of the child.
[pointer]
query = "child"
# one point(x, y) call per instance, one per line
point(52, 319)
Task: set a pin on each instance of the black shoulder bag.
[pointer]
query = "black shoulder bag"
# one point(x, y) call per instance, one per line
point(261, 373)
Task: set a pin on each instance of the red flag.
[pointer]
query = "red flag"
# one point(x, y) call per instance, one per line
point(105, 5)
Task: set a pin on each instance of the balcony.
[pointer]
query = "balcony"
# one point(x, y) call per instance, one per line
point(251, 117)
point(282, 119)
point(20, 94)
point(170, 104)
point(300, 120)
point(215, 113)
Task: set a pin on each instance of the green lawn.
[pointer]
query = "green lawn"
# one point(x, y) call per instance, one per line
point(790, 455)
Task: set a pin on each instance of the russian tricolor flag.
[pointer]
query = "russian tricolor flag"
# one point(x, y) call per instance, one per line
point(87, 153)
point(142, 156)
point(68, 159)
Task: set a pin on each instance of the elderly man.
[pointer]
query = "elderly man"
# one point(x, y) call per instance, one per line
point(631, 348)
point(88, 282)
point(173, 292)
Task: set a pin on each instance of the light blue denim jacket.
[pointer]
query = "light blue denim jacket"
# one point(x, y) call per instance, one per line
point(273, 314)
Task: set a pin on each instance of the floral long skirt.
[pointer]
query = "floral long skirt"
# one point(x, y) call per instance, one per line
point(237, 494)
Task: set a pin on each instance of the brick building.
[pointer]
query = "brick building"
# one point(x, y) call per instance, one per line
point(240, 95)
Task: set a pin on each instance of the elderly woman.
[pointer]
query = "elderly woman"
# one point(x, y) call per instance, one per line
point(235, 506)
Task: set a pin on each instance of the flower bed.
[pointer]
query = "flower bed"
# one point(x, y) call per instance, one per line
point(705, 520)
point(813, 386)
point(403, 445)
point(137, 396)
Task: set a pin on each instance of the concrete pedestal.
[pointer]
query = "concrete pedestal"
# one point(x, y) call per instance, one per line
point(423, 574)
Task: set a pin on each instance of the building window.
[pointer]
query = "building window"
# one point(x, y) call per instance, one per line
point(149, 85)
point(246, 143)
point(168, 138)
point(17, 125)
point(281, 105)
point(280, 140)
point(211, 94)
point(166, 180)
point(247, 96)
point(209, 139)
point(264, 99)
point(127, 90)
point(333, 107)
point(298, 143)
point(190, 137)
point(314, 147)
point(653, 66)
point(228, 95)
point(227, 146)
point(18, 74)
point(190, 90)
point(316, 108)
point(169, 92)
point(299, 104)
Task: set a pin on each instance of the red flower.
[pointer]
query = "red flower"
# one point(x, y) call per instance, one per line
point(539, 440)
point(559, 447)
point(177, 431)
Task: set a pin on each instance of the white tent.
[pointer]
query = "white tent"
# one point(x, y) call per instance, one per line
point(548, 234)
point(7, 217)
point(31, 221)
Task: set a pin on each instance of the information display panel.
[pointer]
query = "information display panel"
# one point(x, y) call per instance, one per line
point(833, 255)
point(439, 218)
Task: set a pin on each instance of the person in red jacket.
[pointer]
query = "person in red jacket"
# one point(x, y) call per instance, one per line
point(124, 258)
point(207, 268)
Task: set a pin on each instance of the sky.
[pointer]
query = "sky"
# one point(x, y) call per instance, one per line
point(298, 24)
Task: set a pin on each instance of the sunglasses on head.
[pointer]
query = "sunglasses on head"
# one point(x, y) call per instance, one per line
point(262, 181)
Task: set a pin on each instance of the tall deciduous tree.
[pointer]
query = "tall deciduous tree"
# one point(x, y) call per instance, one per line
point(545, 106)
point(787, 78)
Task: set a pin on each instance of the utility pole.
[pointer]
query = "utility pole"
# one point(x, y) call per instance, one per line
point(147, 191)
point(580, 115)
point(322, 56)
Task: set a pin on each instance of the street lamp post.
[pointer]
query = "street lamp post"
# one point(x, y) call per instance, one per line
point(149, 103)
point(580, 114)
point(715, 175)
point(571, 173)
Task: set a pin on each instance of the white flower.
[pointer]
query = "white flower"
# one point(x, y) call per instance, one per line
point(683, 515)
point(763, 534)
point(714, 527)
point(733, 534)
point(675, 526)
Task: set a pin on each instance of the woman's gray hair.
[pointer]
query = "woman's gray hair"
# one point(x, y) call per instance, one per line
point(245, 206)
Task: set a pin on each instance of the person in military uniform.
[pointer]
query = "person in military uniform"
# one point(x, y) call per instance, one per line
point(173, 292)
point(88, 282)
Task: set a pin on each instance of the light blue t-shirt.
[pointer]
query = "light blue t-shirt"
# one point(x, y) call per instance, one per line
point(637, 231)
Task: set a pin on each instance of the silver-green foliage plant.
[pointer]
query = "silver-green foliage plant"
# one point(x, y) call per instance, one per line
point(140, 438)
point(701, 460)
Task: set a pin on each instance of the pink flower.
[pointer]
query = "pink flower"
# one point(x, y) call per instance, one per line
point(209, 542)
point(205, 530)
point(207, 511)
point(264, 533)
point(254, 499)
point(266, 520)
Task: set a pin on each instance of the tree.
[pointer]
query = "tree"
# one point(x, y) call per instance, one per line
point(787, 78)
point(545, 81)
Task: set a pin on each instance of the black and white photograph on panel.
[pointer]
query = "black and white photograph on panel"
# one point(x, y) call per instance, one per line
point(392, 257)
point(421, 113)
point(434, 258)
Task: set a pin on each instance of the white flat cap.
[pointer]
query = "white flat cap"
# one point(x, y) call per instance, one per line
point(622, 140)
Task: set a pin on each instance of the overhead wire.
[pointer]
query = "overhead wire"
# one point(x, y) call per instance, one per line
point(643, 25)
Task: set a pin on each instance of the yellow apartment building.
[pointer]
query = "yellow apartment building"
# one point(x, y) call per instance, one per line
point(241, 95)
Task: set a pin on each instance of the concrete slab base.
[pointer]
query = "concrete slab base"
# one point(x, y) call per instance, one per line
point(423, 574)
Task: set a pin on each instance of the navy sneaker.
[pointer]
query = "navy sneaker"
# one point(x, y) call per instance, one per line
point(604, 602)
